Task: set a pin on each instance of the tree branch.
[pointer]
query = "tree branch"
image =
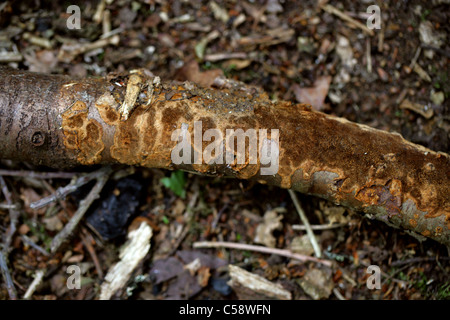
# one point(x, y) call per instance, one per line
point(62, 122)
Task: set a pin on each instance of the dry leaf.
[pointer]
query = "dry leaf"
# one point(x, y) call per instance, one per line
point(315, 96)
point(317, 284)
point(264, 231)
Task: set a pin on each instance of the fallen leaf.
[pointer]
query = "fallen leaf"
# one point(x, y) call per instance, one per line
point(315, 96)
point(191, 72)
point(317, 283)
point(302, 245)
point(264, 231)
point(184, 286)
point(165, 269)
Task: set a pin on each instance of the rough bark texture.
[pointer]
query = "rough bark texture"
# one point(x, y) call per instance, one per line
point(61, 122)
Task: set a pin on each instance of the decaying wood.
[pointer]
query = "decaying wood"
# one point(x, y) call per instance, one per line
point(249, 286)
point(61, 122)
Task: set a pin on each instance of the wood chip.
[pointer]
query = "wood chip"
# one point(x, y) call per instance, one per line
point(251, 286)
point(424, 110)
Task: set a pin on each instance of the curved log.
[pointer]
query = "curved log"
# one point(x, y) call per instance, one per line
point(135, 119)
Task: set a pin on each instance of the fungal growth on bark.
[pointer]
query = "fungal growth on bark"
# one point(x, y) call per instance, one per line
point(137, 119)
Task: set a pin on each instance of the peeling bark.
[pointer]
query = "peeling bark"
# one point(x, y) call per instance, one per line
point(61, 122)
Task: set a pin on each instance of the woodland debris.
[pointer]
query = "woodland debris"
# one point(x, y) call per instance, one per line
point(131, 254)
point(10, 57)
point(264, 231)
point(83, 207)
point(7, 277)
point(317, 283)
point(319, 227)
point(430, 37)
point(354, 23)
point(70, 51)
point(437, 97)
point(254, 287)
point(421, 72)
point(424, 110)
point(63, 192)
point(315, 95)
point(305, 221)
point(240, 246)
point(302, 245)
point(37, 175)
point(36, 282)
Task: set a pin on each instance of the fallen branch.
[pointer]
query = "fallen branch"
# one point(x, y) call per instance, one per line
point(61, 122)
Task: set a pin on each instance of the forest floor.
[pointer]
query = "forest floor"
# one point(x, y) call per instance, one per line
point(395, 78)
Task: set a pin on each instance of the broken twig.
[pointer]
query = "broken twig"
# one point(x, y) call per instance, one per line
point(249, 247)
point(84, 206)
point(305, 221)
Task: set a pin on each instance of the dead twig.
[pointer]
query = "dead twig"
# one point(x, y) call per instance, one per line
point(7, 276)
point(102, 176)
point(9, 206)
point(319, 227)
point(330, 9)
point(37, 175)
point(338, 294)
point(36, 282)
point(305, 221)
point(86, 238)
point(63, 192)
point(225, 56)
point(13, 216)
point(416, 260)
point(249, 247)
point(32, 244)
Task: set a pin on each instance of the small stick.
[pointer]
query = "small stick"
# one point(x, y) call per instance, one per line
point(68, 52)
point(37, 175)
point(338, 294)
point(98, 15)
point(417, 259)
point(106, 22)
point(86, 239)
point(330, 9)
point(368, 56)
point(36, 282)
point(102, 177)
point(8, 206)
point(381, 40)
point(13, 216)
point(63, 192)
point(249, 247)
point(225, 56)
point(414, 59)
point(32, 244)
point(10, 57)
point(7, 276)
point(312, 237)
point(187, 217)
point(318, 227)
